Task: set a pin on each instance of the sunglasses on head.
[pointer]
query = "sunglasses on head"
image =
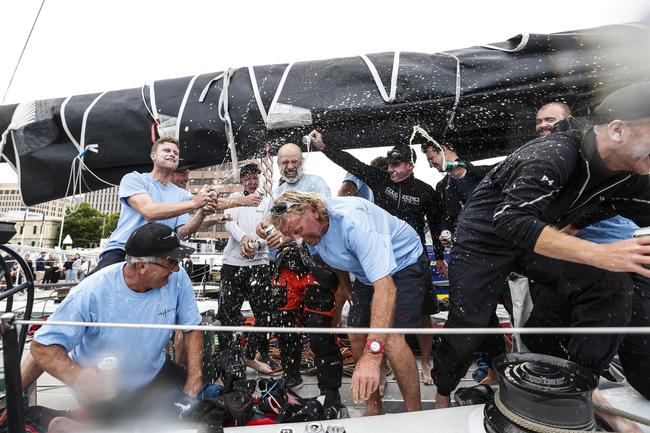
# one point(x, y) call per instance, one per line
point(280, 208)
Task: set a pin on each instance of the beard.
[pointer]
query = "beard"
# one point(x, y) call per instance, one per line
point(293, 176)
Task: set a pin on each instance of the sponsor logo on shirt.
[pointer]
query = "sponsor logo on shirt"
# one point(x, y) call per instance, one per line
point(165, 311)
point(408, 199)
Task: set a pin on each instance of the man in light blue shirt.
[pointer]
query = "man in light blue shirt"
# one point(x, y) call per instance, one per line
point(149, 288)
point(357, 236)
point(148, 197)
point(304, 295)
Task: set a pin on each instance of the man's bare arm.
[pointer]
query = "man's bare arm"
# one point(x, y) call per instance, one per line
point(383, 306)
point(193, 225)
point(55, 360)
point(623, 256)
point(246, 200)
point(153, 211)
point(193, 341)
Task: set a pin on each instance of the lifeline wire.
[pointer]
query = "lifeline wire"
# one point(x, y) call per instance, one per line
point(434, 331)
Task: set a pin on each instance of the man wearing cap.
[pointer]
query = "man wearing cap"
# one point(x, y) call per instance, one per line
point(513, 221)
point(398, 192)
point(246, 275)
point(149, 288)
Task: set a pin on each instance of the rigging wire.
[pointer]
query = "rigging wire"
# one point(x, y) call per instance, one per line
point(22, 52)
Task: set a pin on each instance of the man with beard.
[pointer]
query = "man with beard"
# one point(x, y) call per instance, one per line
point(634, 350)
point(512, 223)
point(304, 289)
point(398, 192)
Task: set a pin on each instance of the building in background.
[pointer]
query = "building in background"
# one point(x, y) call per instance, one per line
point(37, 226)
point(33, 229)
point(104, 200)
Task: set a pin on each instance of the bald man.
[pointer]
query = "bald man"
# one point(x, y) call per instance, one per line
point(303, 291)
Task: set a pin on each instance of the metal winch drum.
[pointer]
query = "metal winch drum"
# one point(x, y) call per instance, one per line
point(546, 390)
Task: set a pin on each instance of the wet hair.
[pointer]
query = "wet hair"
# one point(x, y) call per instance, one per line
point(164, 139)
point(300, 202)
point(380, 162)
point(131, 260)
point(564, 105)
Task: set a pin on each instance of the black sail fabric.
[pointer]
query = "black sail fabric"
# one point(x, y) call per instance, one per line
point(482, 99)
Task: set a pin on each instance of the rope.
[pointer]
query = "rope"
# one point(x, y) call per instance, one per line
point(282, 330)
point(20, 58)
point(542, 428)
point(619, 412)
point(224, 115)
point(76, 179)
point(267, 171)
point(417, 129)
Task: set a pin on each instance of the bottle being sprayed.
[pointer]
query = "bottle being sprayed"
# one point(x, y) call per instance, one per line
point(450, 165)
point(108, 369)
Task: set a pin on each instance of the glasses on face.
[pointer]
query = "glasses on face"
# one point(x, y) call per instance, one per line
point(170, 266)
point(280, 208)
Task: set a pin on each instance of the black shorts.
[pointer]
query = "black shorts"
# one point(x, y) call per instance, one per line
point(411, 285)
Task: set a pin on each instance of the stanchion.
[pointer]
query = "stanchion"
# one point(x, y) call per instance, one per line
point(13, 383)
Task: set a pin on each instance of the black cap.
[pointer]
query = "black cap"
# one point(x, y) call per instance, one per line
point(248, 169)
point(629, 103)
point(156, 240)
point(400, 154)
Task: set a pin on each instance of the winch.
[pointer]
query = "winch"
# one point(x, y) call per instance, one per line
point(542, 391)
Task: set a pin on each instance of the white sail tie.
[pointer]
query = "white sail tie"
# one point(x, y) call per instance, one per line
point(380, 85)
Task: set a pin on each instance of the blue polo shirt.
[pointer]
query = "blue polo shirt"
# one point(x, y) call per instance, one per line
point(105, 297)
point(143, 183)
point(367, 241)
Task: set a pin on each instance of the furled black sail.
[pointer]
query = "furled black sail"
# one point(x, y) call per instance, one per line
point(482, 99)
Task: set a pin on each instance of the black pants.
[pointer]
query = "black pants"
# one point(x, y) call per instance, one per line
point(252, 283)
point(308, 303)
point(634, 350)
point(480, 267)
point(143, 401)
point(110, 257)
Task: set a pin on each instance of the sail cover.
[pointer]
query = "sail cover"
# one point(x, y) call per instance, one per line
point(482, 99)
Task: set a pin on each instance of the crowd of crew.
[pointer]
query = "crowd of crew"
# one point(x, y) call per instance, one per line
point(560, 210)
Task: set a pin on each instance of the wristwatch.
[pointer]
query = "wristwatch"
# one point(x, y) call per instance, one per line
point(374, 346)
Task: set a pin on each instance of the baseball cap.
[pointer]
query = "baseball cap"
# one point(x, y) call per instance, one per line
point(248, 169)
point(156, 240)
point(400, 154)
point(629, 103)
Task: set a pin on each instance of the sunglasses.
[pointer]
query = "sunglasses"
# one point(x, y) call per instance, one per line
point(169, 267)
point(282, 207)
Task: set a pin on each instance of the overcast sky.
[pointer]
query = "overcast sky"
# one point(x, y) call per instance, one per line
point(90, 46)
